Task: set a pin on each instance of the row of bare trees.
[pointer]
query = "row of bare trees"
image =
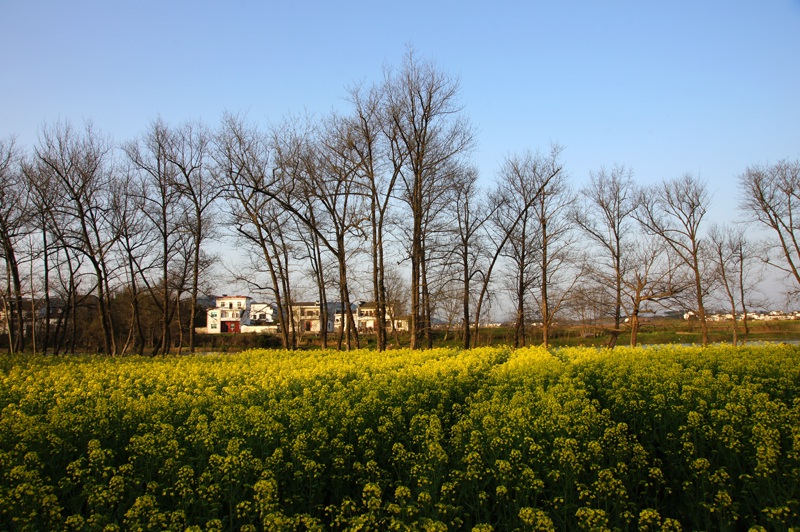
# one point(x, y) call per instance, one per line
point(97, 225)
point(349, 203)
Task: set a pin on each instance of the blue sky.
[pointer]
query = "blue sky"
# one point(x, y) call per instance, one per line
point(707, 87)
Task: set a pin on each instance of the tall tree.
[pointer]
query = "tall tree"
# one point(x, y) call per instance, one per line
point(330, 170)
point(470, 214)
point(161, 205)
point(556, 257)
point(80, 164)
point(770, 196)
point(136, 243)
point(188, 150)
point(374, 137)
point(430, 132)
point(496, 232)
point(604, 214)
point(43, 200)
point(537, 202)
point(251, 178)
point(67, 262)
point(13, 198)
point(673, 211)
point(733, 256)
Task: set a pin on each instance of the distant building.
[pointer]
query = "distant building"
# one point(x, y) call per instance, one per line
point(366, 318)
point(239, 314)
point(308, 316)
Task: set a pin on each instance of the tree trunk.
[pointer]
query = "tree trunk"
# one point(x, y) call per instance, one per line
point(634, 325)
point(465, 303)
point(16, 322)
point(195, 277)
point(46, 279)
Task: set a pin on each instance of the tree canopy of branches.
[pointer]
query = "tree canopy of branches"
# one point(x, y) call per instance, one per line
point(770, 196)
point(429, 133)
point(538, 202)
point(605, 216)
point(110, 246)
point(674, 211)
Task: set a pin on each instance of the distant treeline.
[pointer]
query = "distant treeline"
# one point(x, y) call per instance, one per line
point(380, 200)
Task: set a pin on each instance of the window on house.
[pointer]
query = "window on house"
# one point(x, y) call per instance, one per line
point(213, 325)
point(238, 304)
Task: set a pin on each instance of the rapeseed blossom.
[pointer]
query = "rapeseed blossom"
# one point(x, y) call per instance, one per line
point(669, 438)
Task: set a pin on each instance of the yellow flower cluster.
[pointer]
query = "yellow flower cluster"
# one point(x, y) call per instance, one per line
point(670, 438)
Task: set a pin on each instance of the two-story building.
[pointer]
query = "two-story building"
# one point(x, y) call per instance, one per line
point(239, 314)
point(308, 316)
point(365, 314)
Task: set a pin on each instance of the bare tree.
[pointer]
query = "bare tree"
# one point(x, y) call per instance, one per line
point(520, 191)
point(318, 264)
point(470, 214)
point(13, 198)
point(330, 168)
point(65, 262)
point(733, 257)
point(136, 244)
point(538, 201)
point(374, 139)
point(429, 132)
point(556, 256)
point(770, 196)
point(163, 210)
point(180, 275)
point(605, 216)
point(501, 225)
point(251, 176)
point(674, 211)
point(296, 159)
point(651, 275)
point(81, 166)
point(43, 200)
point(187, 150)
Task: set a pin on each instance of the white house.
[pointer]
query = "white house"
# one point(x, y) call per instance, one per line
point(366, 317)
point(239, 314)
point(262, 318)
point(307, 316)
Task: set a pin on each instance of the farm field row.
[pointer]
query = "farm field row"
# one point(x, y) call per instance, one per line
point(661, 438)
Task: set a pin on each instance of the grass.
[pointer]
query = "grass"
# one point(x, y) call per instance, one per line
point(660, 331)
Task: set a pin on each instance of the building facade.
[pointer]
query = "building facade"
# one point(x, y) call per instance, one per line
point(239, 314)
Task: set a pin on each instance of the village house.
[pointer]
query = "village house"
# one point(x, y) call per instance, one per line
point(239, 314)
point(308, 319)
point(366, 318)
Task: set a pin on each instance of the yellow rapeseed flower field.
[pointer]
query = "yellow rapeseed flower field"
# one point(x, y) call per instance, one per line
point(660, 438)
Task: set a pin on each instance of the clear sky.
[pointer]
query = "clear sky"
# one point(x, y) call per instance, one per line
point(701, 86)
